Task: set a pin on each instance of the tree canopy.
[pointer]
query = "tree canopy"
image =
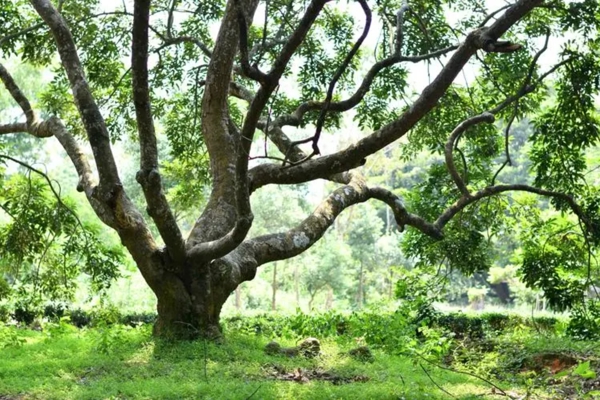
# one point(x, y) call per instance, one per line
point(242, 94)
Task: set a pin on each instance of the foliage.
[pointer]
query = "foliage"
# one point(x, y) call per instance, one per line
point(9, 338)
point(45, 246)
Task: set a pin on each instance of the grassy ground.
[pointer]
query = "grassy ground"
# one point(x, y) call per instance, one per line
point(126, 363)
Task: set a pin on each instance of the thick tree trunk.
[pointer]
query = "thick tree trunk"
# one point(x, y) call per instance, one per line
point(190, 303)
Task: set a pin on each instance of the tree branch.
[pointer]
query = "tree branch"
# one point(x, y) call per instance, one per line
point(17, 127)
point(289, 244)
point(109, 200)
point(17, 95)
point(336, 77)
point(228, 157)
point(148, 176)
point(453, 139)
point(272, 80)
point(21, 32)
point(251, 71)
point(296, 117)
point(88, 109)
point(399, 28)
point(465, 201)
point(354, 155)
point(43, 129)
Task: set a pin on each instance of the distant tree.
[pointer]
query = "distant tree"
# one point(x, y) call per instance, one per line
point(159, 67)
point(363, 231)
point(327, 268)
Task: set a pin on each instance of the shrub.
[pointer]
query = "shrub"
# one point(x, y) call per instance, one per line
point(5, 289)
point(136, 319)
point(54, 311)
point(461, 325)
point(545, 323)
point(4, 313)
point(25, 313)
point(107, 315)
point(80, 318)
point(10, 338)
point(496, 322)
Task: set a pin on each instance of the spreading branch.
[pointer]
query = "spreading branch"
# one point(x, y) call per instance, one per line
point(285, 245)
point(148, 176)
point(336, 77)
point(355, 155)
point(229, 159)
point(453, 140)
point(88, 109)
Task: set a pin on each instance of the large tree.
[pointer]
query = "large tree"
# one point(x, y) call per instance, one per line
point(163, 67)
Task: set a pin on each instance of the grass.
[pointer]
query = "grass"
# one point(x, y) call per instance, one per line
point(121, 363)
point(118, 362)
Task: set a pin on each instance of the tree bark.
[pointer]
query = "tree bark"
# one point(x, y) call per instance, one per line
point(189, 304)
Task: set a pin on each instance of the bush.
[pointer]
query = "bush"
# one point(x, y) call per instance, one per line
point(545, 323)
point(496, 322)
point(136, 319)
point(80, 318)
point(4, 313)
point(25, 313)
point(54, 311)
point(107, 315)
point(5, 289)
point(461, 325)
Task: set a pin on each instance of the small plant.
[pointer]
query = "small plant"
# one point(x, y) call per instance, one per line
point(10, 338)
point(106, 315)
point(60, 328)
point(4, 313)
point(109, 337)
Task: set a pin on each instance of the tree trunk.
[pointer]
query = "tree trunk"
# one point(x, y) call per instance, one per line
point(329, 300)
point(310, 301)
point(238, 299)
point(391, 293)
point(359, 296)
point(190, 303)
point(274, 288)
point(297, 285)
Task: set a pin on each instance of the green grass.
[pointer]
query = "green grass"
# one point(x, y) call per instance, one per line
point(120, 363)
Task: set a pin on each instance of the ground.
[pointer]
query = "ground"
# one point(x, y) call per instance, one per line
point(119, 362)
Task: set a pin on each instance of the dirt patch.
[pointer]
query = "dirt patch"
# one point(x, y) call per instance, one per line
point(301, 375)
point(9, 397)
point(548, 362)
